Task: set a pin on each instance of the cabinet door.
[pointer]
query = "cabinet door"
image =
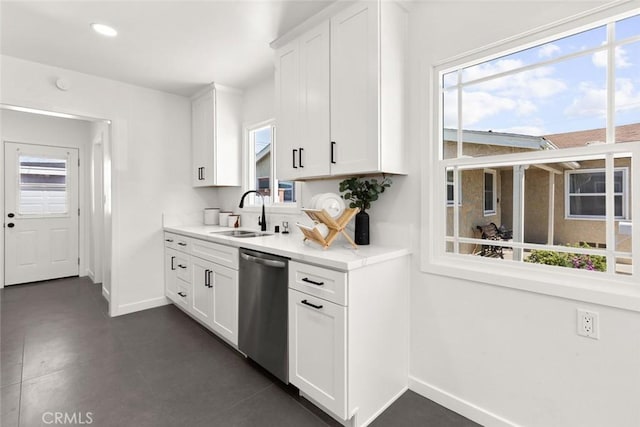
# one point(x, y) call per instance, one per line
point(314, 159)
point(355, 89)
point(202, 138)
point(171, 274)
point(287, 111)
point(202, 299)
point(317, 350)
point(225, 302)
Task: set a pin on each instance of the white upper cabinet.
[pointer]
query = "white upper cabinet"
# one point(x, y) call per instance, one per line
point(216, 136)
point(302, 87)
point(340, 91)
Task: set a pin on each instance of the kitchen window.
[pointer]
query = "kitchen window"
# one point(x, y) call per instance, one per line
point(553, 127)
point(260, 166)
point(586, 193)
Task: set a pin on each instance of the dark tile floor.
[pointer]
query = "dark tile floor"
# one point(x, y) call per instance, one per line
point(61, 353)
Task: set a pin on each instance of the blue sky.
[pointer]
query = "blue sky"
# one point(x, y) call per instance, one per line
point(561, 97)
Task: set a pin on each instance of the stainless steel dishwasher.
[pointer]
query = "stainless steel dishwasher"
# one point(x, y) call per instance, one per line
point(262, 322)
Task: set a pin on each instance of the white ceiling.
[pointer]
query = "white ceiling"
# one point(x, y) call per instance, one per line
point(173, 46)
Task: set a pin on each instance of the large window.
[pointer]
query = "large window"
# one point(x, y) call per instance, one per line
point(261, 167)
point(536, 138)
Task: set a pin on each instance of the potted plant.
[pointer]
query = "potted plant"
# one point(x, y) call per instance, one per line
point(360, 193)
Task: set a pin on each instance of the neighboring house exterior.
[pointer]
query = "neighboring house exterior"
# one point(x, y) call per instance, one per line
point(487, 195)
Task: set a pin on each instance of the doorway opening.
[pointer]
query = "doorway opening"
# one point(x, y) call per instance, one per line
point(55, 191)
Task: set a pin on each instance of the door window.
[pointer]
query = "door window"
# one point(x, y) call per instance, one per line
point(42, 185)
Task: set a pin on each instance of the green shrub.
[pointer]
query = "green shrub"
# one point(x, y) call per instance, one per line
point(568, 259)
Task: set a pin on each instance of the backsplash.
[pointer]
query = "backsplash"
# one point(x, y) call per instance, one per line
point(387, 227)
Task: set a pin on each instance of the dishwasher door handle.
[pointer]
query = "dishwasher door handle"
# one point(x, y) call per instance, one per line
point(267, 262)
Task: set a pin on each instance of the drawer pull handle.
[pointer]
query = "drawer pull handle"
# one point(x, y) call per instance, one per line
point(305, 302)
point(306, 279)
point(173, 267)
point(182, 244)
point(182, 294)
point(168, 240)
point(182, 266)
point(207, 278)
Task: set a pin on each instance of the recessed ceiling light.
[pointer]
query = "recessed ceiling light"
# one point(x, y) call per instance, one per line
point(105, 30)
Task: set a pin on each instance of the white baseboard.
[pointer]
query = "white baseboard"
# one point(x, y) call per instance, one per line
point(456, 404)
point(140, 305)
point(106, 294)
point(91, 275)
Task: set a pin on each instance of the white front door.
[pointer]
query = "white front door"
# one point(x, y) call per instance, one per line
point(41, 212)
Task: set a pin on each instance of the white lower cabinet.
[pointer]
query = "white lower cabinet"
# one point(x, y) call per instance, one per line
point(348, 339)
point(317, 350)
point(203, 288)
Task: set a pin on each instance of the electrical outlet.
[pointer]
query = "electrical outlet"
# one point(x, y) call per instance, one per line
point(588, 324)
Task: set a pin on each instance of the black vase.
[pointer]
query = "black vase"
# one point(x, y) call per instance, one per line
point(362, 228)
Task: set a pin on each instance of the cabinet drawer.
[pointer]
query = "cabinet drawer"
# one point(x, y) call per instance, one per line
point(183, 295)
point(220, 254)
point(170, 240)
point(321, 282)
point(182, 267)
point(177, 242)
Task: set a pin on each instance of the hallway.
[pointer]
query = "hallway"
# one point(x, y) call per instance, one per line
point(61, 353)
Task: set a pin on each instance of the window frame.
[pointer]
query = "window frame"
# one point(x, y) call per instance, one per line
point(253, 203)
point(576, 284)
point(624, 194)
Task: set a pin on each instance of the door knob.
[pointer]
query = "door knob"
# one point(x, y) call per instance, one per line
point(11, 215)
point(11, 225)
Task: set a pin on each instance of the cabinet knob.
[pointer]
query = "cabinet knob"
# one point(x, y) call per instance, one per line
point(168, 240)
point(182, 294)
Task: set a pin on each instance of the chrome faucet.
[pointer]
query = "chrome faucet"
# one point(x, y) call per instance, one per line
point(262, 222)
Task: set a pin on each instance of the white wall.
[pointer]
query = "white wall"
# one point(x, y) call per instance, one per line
point(497, 355)
point(150, 154)
point(43, 130)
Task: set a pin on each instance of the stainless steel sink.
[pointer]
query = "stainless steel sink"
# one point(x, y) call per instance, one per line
point(241, 233)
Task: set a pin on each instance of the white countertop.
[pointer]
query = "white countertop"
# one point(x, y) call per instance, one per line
point(340, 256)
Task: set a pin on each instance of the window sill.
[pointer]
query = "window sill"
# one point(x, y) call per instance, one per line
point(613, 291)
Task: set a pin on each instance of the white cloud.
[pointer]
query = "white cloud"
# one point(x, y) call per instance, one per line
point(490, 68)
point(599, 58)
point(548, 50)
point(530, 84)
point(592, 99)
point(627, 96)
point(590, 103)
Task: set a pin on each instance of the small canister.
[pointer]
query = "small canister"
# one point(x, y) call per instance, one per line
point(224, 218)
point(233, 221)
point(211, 216)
